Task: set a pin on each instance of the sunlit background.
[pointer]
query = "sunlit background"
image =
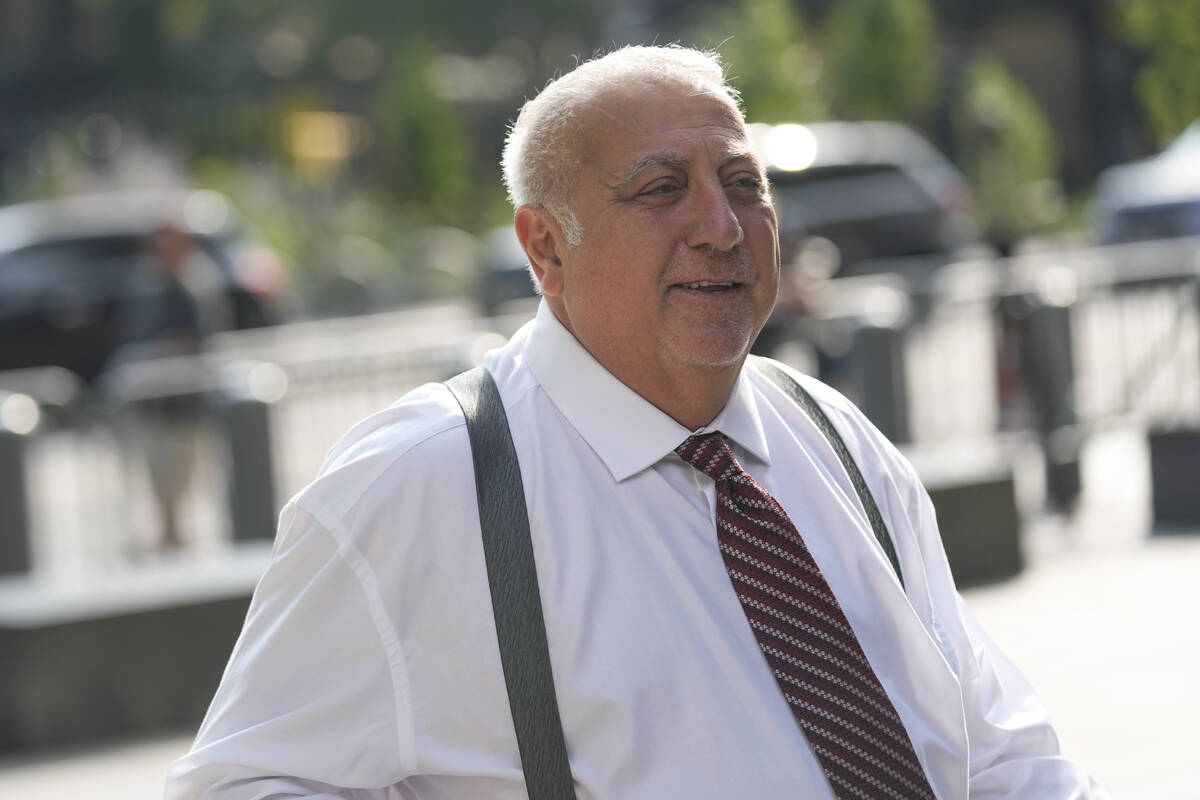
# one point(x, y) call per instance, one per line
point(990, 223)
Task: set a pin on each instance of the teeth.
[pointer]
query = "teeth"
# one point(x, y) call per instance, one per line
point(706, 284)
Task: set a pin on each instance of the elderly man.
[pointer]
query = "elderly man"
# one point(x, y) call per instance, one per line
point(721, 619)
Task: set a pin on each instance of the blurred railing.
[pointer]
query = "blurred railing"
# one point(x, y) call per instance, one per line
point(266, 405)
point(1137, 333)
point(1040, 342)
point(1051, 344)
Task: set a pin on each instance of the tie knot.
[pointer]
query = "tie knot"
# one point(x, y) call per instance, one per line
point(709, 453)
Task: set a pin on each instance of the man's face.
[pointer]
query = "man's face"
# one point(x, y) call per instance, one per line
point(679, 263)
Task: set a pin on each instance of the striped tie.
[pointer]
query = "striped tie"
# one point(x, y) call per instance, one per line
point(846, 715)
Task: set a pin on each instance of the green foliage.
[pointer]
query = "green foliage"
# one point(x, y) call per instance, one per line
point(259, 99)
point(349, 247)
point(1009, 152)
point(771, 64)
point(1167, 86)
point(421, 149)
point(881, 59)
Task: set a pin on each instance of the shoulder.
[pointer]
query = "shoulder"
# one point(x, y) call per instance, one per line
point(413, 456)
point(893, 483)
point(846, 417)
point(417, 442)
point(877, 457)
point(832, 402)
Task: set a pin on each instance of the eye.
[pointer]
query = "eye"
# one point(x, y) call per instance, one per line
point(746, 181)
point(660, 189)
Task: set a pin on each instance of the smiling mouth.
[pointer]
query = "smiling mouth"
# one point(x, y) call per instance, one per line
point(710, 286)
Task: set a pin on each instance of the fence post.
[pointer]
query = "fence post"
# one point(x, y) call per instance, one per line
point(1174, 464)
point(1049, 369)
point(1052, 365)
point(245, 411)
point(18, 417)
point(878, 358)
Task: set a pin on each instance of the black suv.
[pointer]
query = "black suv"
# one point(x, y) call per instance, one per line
point(876, 190)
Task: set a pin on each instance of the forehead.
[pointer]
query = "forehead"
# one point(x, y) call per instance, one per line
point(626, 126)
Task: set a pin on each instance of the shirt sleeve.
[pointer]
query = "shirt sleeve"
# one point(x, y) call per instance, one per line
point(290, 719)
point(1013, 748)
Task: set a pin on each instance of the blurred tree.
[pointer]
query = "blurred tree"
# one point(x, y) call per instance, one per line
point(219, 79)
point(881, 59)
point(421, 148)
point(1169, 31)
point(770, 60)
point(1008, 152)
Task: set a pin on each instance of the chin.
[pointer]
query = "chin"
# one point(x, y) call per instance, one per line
point(714, 352)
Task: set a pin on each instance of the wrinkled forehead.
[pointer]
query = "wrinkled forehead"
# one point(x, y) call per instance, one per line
point(652, 93)
point(628, 116)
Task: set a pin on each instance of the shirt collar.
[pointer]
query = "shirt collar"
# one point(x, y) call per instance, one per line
point(627, 432)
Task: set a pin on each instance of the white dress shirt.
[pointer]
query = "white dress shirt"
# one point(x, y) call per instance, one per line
point(368, 666)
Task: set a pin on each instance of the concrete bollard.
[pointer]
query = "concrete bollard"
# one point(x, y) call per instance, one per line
point(1052, 390)
point(245, 411)
point(1174, 465)
point(973, 489)
point(882, 384)
point(19, 416)
point(1051, 365)
point(1037, 345)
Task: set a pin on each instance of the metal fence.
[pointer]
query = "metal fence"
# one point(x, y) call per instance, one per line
point(1089, 338)
point(265, 407)
point(1054, 341)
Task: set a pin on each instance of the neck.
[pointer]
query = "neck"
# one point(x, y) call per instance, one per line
point(691, 394)
point(693, 397)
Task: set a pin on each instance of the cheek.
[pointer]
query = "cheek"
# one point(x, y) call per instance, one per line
point(768, 252)
point(601, 289)
point(758, 220)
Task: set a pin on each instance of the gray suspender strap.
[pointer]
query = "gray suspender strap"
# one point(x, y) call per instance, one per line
point(512, 576)
point(805, 400)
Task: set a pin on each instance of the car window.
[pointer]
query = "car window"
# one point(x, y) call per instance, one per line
point(810, 198)
point(90, 270)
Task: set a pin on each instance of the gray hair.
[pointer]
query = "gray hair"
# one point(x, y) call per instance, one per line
point(541, 160)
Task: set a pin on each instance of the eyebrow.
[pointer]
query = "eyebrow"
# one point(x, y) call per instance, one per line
point(665, 160)
point(677, 162)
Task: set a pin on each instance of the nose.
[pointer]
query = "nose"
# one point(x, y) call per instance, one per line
point(715, 224)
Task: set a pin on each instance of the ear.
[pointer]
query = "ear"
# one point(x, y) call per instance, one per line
point(544, 244)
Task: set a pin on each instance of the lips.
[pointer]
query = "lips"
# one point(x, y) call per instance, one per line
point(709, 286)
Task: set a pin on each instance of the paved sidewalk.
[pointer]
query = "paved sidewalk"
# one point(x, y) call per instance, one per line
point(1103, 626)
point(1100, 622)
point(1108, 639)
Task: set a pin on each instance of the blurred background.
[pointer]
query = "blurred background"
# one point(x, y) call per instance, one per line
point(229, 230)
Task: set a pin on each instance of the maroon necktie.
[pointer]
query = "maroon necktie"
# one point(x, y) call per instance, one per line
point(846, 715)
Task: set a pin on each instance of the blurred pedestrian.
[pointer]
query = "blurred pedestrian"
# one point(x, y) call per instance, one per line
point(181, 297)
point(175, 304)
point(727, 612)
